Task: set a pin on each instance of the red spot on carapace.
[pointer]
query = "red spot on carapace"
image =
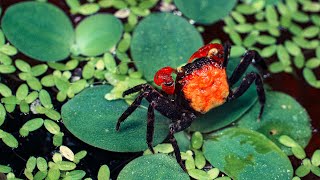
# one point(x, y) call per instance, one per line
point(214, 51)
point(164, 79)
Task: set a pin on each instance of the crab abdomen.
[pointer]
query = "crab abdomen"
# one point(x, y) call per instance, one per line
point(205, 87)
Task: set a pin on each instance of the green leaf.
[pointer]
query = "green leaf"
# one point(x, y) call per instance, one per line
point(45, 99)
point(165, 148)
point(35, 29)
point(66, 165)
point(88, 71)
point(272, 16)
point(287, 141)
point(48, 81)
point(77, 116)
point(229, 112)
point(5, 169)
point(40, 175)
point(242, 154)
point(299, 61)
point(300, 17)
point(39, 69)
point(251, 39)
point(282, 115)
point(283, 55)
point(104, 172)
point(9, 139)
point(311, 32)
point(266, 40)
point(34, 83)
point(298, 152)
point(157, 166)
point(310, 77)
point(5, 91)
point(268, 51)
point(58, 139)
point(153, 39)
point(302, 171)
point(315, 159)
point(31, 97)
point(199, 159)
point(53, 114)
point(51, 126)
point(22, 92)
point(7, 69)
point(31, 163)
point(88, 9)
point(213, 173)
point(53, 174)
point(313, 63)
point(97, 34)
point(80, 155)
point(292, 48)
point(198, 174)
point(196, 140)
point(2, 114)
point(76, 174)
point(42, 164)
point(8, 50)
point(22, 65)
point(24, 107)
point(5, 60)
point(33, 124)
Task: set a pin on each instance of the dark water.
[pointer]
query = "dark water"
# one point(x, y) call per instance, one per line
point(39, 143)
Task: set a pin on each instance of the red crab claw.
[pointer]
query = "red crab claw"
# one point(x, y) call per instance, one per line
point(214, 51)
point(164, 79)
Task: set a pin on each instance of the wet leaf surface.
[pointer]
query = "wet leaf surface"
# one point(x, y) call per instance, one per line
point(282, 116)
point(246, 154)
point(98, 34)
point(201, 11)
point(156, 166)
point(92, 119)
point(157, 42)
point(35, 29)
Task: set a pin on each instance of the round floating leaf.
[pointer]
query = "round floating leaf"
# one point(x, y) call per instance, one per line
point(282, 116)
point(156, 166)
point(157, 42)
point(90, 109)
point(246, 154)
point(205, 11)
point(228, 112)
point(97, 34)
point(39, 30)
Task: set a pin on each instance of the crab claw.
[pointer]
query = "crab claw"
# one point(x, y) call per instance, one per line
point(214, 51)
point(164, 79)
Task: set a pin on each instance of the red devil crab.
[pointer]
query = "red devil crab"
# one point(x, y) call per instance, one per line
point(200, 85)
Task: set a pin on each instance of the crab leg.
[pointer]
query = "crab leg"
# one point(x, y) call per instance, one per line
point(150, 127)
point(251, 57)
point(245, 84)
